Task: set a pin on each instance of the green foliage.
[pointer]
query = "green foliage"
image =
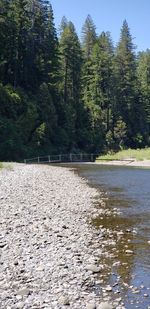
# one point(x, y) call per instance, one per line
point(138, 154)
point(70, 84)
point(143, 73)
point(120, 132)
point(60, 95)
point(127, 96)
point(88, 36)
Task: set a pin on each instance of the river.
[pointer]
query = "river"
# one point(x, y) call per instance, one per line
point(128, 190)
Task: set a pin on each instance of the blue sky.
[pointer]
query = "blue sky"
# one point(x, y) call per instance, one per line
point(108, 15)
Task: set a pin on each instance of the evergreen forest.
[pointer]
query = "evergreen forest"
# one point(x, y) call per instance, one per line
point(61, 94)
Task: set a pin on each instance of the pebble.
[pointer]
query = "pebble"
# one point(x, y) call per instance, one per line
point(23, 292)
point(108, 289)
point(105, 305)
point(129, 252)
point(49, 252)
point(94, 268)
point(91, 306)
point(64, 300)
point(20, 305)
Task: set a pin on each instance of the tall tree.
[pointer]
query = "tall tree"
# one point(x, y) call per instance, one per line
point(102, 59)
point(98, 86)
point(71, 60)
point(88, 36)
point(143, 73)
point(127, 96)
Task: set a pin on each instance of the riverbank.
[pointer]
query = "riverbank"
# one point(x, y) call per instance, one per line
point(125, 162)
point(50, 253)
point(132, 157)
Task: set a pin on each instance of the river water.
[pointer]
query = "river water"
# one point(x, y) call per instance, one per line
point(128, 190)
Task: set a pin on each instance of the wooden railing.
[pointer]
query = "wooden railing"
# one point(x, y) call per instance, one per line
point(62, 158)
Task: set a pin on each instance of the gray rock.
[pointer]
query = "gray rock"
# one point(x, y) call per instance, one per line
point(105, 305)
point(64, 300)
point(91, 306)
point(94, 268)
point(20, 305)
point(24, 292)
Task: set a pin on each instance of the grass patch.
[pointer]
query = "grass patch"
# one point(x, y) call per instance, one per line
point(137, 154)
point(6, 165)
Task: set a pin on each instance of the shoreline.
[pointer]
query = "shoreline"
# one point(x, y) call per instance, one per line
point(50, 251)
point(127, 162)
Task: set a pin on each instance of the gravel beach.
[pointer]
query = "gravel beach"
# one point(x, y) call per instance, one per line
point(49, 251)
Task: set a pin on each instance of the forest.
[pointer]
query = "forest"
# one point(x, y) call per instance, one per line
point(61, 94)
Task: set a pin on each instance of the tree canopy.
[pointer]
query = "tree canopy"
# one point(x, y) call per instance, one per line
point(58, 94)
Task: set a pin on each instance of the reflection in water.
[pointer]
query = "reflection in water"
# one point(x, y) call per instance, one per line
point(128, 190)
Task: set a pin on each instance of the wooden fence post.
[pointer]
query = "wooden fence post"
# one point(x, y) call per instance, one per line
point(38, 160)
point(49, 159)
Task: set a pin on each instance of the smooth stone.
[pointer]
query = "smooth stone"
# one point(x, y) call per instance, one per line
point(129, 252)
point(23, 292)
point(40, 268)
point(109, 289)
point(64, 300)
point(20, 305)
point(93, 268)
point(18, 297)
point(105, 305)
point(91, 306)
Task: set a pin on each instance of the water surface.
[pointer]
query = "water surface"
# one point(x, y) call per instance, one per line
point(127, 189)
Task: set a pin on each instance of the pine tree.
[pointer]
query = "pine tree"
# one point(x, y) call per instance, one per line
point(71, 59)
point(88, 36)
point(97, 87)
point(127, 97)
point(63, 25)
point(143, 73)
point(102, 59)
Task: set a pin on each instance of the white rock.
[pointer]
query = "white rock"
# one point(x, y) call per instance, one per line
point(109, 288)
point(91, 306)
point(23, 292)
point(129, 252)
point(105, 305)
point(64, 300)
point(94, 268)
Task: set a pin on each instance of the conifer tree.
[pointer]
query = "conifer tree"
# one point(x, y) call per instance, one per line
point(88, 36)
point(127, 97)
point(71, 60)
point(143, 73)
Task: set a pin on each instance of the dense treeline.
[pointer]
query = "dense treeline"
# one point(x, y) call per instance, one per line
point(58, 94)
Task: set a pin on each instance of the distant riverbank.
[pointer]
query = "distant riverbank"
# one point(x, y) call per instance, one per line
point(131, 157)
point(127, 162)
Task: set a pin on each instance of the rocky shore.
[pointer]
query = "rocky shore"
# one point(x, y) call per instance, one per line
point(49, 252)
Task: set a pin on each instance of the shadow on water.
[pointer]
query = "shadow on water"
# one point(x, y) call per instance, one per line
point(128, 190)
